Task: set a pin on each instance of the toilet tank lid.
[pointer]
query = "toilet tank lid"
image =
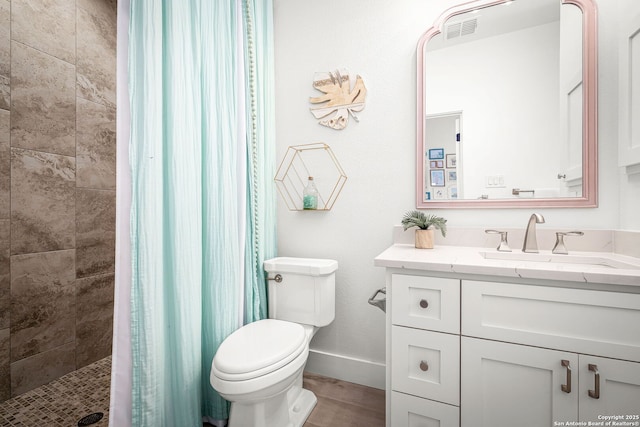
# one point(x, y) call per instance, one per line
point(308, 266)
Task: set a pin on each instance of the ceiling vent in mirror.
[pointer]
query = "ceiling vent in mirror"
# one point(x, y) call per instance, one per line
point(461, 28)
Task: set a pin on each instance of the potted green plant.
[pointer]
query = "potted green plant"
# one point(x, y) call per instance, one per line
point(426, 225)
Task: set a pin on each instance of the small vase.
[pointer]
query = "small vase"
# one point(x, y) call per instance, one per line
point(424, 239)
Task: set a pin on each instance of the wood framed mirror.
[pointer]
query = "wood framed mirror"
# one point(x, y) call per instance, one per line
point(507, 106)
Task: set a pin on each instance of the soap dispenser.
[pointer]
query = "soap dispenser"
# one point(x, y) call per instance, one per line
point(310, 195)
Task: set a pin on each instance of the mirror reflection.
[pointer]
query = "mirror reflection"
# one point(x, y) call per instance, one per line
point(503, 104)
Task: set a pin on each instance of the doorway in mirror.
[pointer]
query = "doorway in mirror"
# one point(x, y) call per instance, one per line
point(443, 178)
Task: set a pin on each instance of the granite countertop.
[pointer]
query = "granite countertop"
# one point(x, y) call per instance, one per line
point(585, 267)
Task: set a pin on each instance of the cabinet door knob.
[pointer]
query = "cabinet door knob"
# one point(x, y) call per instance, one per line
point(424, 367)
point(424, 303)
point(595, 393)
point(566, 387)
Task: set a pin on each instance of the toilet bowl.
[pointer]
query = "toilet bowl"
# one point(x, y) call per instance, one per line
point(259, 367)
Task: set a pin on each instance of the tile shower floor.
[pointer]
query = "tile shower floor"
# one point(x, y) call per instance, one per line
point(66, 400)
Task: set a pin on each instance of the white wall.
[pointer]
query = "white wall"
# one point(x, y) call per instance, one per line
point(377, 39)
point(629, 184)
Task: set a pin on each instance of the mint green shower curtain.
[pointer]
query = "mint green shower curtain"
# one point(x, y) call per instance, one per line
point(202, 197)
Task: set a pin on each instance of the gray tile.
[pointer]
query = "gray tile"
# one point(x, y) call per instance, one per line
point(5, 377)
point(5, 93)
point(95, 232)
point(43, 102)
point(34, 371)
point(42, 201)
point(5, 275)
point(46, 25)
point(96, 145)
point(5, 54)
point(94, 318)
point(5, 38)
point(42, 302)
point(96, 51)
point(63, 401)
point(5, 164)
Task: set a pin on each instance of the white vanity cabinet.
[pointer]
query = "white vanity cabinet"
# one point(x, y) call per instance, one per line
point(471, 351)
point(424, 351)
point(555, 372)
point(551, 386)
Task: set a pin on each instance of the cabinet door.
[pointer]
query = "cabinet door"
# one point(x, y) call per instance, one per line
point(609, 387)
point(503, 385)
point(411, 411)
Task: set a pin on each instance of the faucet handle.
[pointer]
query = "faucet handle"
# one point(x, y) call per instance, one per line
point(504, 245)
point(559, 247)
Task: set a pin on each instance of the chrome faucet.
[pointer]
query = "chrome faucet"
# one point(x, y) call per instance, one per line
point(530, 240)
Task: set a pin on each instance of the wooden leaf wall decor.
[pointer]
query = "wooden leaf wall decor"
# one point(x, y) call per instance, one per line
point(339, 99)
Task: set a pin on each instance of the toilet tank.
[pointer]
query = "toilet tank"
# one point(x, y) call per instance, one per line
point(307, 292)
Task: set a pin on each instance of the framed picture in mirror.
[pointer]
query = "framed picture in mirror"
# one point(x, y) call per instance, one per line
point(453, 192)
point(439, 194)
point(436, 154)
point(437, 178)
point(451, 161)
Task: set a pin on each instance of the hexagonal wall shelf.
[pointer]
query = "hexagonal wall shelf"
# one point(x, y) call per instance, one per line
point(303, 161)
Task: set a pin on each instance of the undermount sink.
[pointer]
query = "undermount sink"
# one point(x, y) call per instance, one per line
point(595, 260)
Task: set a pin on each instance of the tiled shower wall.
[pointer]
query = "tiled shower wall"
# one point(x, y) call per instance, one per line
point(57, 187)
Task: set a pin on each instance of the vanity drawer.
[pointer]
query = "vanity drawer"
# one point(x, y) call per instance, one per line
point(411, 411)
point(585, 321)
point(426, 364)
point(425, 302)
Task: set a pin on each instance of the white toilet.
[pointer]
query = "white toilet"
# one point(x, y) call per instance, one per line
point(258, 368)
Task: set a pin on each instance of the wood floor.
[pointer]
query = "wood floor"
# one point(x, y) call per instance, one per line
point(344, 404)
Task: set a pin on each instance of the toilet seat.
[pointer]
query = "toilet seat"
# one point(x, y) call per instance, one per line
point(258, 349)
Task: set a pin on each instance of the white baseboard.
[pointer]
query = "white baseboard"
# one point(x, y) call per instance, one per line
point(345, 368)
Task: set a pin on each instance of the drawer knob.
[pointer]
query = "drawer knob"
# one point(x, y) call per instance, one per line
point(424, 367)
point(424, 303)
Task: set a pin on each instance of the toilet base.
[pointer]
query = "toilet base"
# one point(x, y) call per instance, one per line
point(290, 409)
point(302, 407)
